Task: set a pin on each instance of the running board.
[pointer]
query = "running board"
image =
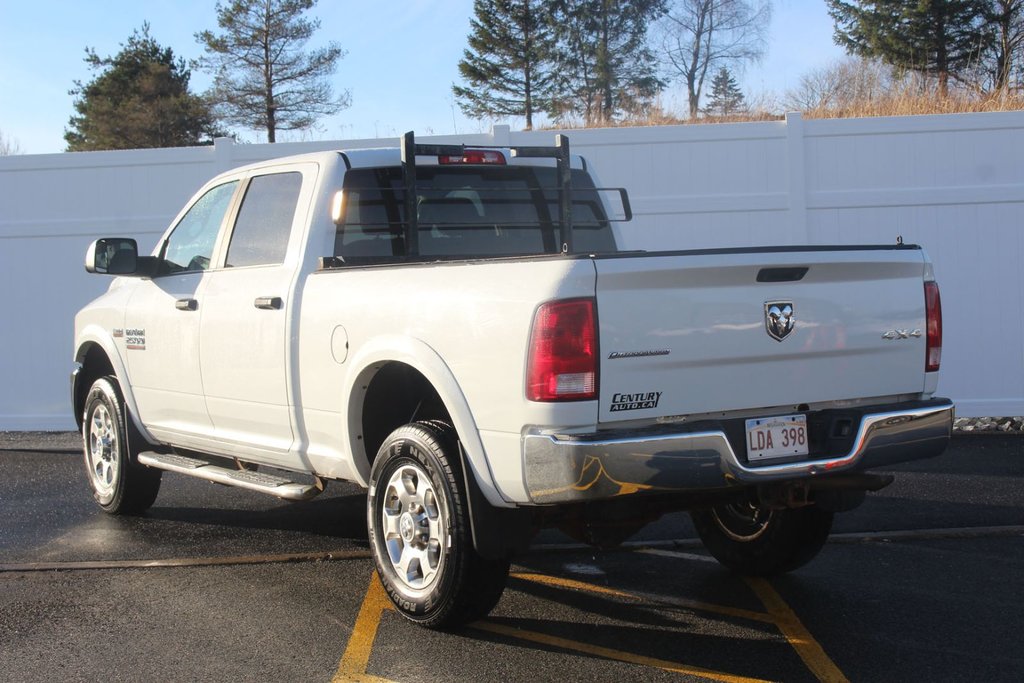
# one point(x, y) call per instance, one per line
point(246, 479)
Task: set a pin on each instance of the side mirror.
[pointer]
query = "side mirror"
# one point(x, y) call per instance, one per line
point(113, 256)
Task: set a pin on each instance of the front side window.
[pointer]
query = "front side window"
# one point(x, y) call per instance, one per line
point(265, 220)
point(190, 246)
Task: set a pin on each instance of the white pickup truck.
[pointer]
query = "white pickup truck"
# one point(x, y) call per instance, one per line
point(456, 330)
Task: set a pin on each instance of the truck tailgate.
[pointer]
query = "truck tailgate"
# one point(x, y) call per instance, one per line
point(690, 333)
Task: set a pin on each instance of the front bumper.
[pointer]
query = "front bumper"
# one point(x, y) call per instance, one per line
point(570, 469)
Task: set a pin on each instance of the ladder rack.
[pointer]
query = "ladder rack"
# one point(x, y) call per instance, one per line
point(559, 152)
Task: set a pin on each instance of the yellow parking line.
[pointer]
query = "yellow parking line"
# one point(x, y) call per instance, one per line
point(360, 644)
point(608, 653)
point(785, 619)
point(796, 633)
point(354, 662)
point(675, 602)
point(570, 583)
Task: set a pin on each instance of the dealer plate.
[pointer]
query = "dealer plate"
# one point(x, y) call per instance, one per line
point(776, 437)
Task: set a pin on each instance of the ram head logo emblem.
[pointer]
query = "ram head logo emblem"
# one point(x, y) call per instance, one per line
point(779, 319)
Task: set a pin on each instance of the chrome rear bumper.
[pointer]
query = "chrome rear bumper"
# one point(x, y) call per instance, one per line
point(564, 469)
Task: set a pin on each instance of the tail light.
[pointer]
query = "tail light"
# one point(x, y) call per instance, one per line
point(933, 323)
point(562, 365)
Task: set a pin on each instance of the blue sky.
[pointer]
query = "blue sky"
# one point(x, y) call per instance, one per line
point(402, 59)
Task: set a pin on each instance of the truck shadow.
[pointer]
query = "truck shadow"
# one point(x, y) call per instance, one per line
point(340, 516)
point(729, 641)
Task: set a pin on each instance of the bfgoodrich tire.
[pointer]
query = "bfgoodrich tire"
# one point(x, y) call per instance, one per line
point(757, 541)
point(419, 529)
point(119, 483)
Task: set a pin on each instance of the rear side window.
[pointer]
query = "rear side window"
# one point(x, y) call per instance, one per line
point(264, 221)
point(466, 212)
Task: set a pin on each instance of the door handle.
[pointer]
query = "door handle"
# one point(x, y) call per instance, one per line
point(268, 303)
point(186, 304)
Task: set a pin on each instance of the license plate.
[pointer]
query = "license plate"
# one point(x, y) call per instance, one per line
point(776, 437)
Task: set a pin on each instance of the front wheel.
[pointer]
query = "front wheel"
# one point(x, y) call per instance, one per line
point(419, 529)
point(758, 541)
point(110, 442)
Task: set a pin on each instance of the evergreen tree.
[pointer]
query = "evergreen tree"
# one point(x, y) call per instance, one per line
point(506, 63)
point(941, 38)
point(139, 99)
point(603, 64)
point(726, 97)
point(262, 78)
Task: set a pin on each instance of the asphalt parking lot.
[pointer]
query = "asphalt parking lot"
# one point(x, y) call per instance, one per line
point(923, 582)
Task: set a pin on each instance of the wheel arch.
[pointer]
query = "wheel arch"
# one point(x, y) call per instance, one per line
point(97, 356)
point(393, 364)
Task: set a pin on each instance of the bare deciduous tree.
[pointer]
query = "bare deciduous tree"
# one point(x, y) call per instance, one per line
point(841, 84)
point(699, 35)
point(8, 146)
point(1007, 17)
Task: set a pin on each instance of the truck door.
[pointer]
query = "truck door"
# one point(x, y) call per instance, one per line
point(161, 333)
point(246, 316)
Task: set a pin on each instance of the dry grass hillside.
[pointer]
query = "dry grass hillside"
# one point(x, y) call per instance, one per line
point(847, 88)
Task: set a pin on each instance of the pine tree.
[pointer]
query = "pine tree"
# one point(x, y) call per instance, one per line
point(262, 78)
point(603, 62)
point(726, 97)
point(506, 65)
point(140, 99)
point(941, 38)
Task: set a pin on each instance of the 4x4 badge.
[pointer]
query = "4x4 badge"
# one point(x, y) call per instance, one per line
point(779, 319)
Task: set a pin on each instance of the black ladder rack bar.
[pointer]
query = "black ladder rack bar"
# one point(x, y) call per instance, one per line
point(412, 229)
point(560, 153)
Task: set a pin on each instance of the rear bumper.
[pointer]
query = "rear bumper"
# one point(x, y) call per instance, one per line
point(566, 469)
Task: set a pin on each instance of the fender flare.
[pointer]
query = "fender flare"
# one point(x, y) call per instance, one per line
point(425, 360)
point(97, 335)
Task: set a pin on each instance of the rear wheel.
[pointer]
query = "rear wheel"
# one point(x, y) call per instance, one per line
point(419, 529)
point(758, 541)
point(119, 483)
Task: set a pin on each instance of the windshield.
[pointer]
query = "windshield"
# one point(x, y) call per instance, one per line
point(467, 211)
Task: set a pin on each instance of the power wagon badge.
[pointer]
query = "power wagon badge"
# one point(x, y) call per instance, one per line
point(635, 401)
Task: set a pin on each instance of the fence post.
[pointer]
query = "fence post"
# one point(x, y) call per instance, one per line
point(222, 151)
point(500, 136)
point(797, 162)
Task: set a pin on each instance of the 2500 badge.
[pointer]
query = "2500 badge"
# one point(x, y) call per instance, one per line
point(134, 339)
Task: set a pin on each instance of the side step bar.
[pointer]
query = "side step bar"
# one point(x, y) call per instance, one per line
point(254, 481)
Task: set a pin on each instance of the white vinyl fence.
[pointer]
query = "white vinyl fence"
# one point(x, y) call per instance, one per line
point(953, 183)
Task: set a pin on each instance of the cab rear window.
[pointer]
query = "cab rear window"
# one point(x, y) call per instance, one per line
point(467, 212)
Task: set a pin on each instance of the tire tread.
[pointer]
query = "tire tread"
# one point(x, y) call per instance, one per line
point(477, 583)
point(139, 484)
point(794, 538)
